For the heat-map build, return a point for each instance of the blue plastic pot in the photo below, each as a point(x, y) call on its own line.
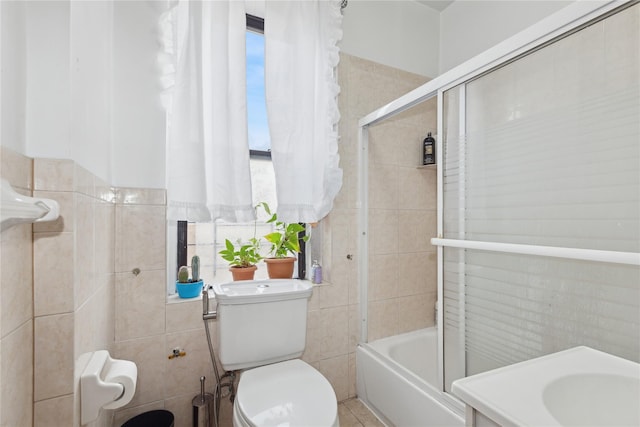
point(189, 290)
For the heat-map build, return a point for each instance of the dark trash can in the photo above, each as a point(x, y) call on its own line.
point(157, 418)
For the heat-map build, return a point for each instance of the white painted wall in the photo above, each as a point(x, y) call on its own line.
point(85, 74)
point(469, 27)
point(48, 79)
point(93, 89)
point(400, 33)
point(12, 75)
point(138, 118)
point(68, 96)
point(91, 38)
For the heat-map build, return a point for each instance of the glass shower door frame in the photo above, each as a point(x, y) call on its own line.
point(459, 241)
point(567, 19)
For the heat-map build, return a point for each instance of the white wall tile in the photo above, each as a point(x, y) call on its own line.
point(383, 277)
point(54, 412)
point(382, 319)
point(140, 237)
point(53, 361)
point(335, 332)
point(315, 331)
point(149, 355)
point(186, 316)
point(383, 231)
point(417, 273)
point(53, 174)
point(17, 278)
point(383, 187)
point(183, 373)
point(336, 370)
point(17, 377)
point(140, 304)
point(53, 273)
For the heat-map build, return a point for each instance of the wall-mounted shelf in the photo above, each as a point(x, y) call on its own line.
point(16, 208)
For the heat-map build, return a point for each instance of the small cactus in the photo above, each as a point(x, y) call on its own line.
point(183, 274)
point(195, 268)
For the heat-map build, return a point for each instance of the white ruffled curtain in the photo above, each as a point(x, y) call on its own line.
point(301, 91)
point(208, 175)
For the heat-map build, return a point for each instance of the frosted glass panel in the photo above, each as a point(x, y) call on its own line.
point(555, 170)
point(545, 151)
point(518, 307)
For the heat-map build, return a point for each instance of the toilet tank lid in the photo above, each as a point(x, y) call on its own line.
point(258, 291)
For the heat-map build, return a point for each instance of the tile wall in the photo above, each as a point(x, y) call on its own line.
point(73, 297)
point(405, 299)
point(16, 304)
point(82, 295)
point(147, 328)
point(402, 220)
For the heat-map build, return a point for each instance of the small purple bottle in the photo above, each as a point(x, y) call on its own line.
point(316, 272)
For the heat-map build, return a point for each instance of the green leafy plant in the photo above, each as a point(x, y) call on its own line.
point(183, 272)
point(244, 255)
point(285, 239)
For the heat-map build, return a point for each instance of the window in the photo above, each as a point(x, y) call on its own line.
point(207, 239)
point(259, 142)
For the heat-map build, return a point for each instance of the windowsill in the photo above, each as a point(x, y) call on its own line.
point(175, 298)
point(317, 285)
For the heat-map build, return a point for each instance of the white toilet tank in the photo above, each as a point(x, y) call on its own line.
point(261, 321)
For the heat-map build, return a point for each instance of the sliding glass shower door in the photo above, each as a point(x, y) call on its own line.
point(541, 184)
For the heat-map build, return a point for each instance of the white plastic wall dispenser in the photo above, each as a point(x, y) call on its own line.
point(105, 383)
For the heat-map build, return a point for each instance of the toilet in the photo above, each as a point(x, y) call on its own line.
point(262, 327)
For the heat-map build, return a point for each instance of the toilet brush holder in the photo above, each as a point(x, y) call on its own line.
point(203, 408)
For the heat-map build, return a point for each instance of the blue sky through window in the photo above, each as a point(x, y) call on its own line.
point(256, 105)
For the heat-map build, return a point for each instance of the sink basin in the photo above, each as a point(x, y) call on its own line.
point(594, 399)
point(575, 387)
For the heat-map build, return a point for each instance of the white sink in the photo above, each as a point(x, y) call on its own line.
point(594, 399)
point(576, 387)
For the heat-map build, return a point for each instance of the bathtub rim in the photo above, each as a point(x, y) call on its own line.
point(442, 397)
point(388, 344)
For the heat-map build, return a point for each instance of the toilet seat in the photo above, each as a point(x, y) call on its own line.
point(286, 393)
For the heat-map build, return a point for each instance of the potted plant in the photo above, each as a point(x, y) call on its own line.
point(284, 242)
point(242, 260)
point(190, 287)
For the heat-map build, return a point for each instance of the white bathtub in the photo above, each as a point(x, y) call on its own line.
point(397, 377)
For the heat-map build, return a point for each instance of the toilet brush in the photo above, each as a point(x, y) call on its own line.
point(203, 408)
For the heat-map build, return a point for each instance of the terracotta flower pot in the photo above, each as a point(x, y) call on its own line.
point(280, 268)
point(243, 273)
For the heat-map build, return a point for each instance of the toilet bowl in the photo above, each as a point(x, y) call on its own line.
point(290, 393)
point(262, 330)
